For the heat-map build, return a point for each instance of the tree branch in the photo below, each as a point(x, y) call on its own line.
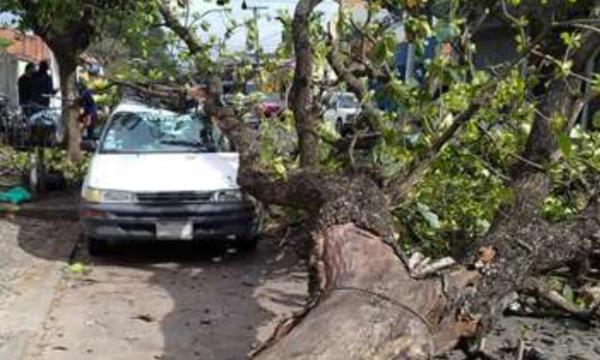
point(185, 34)
point(400, 186)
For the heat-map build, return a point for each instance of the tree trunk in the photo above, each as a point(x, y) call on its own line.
point(70, 111)
point(303, 104)
point(368, 309)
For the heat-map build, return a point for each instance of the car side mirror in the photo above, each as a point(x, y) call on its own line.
point(88, 145)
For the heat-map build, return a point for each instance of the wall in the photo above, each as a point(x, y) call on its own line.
point(9, 69)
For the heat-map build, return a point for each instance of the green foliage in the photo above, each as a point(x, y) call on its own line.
point(63, 16)
point(55, 161)
point(453, 205)
point(277, 143)
point(384, 50)
point(417, 29)
point(4, 43)
point(574, 174)
point(460, 194)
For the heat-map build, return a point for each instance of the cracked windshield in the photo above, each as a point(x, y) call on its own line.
point(147, 132)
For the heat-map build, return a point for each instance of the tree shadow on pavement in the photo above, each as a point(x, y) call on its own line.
point(53, 240)
point(169, 301)
point(224, 302)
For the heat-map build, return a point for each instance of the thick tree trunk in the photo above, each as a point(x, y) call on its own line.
point(70, 111)
point(369, 309)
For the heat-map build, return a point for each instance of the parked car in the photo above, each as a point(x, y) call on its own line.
point(158, 175)
point(270, 105)
point(342, 109)
point(50, 120)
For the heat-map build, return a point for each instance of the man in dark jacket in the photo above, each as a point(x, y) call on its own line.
point(42, 88)
point(89, 118)
point(25, 89)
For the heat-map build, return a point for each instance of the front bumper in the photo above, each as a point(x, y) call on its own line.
point(235, 220)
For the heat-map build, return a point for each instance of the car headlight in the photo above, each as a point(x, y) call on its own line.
point(107, 196)
point(229, 195)
point(91, 195)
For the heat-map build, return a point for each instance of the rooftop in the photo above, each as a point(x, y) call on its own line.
point(25, 47)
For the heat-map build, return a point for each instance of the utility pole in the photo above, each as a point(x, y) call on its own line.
point(255, 10)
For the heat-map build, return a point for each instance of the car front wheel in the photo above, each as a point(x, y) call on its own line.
point(339, 126)
point(97, 247)
point(247, 244)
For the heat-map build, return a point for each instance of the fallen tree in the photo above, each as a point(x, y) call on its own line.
point(370, 300)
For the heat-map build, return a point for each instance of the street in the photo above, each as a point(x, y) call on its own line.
point(157, 301)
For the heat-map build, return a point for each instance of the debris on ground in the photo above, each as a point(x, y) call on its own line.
point(16, 195)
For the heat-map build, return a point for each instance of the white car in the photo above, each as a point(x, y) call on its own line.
point(341, 111)
point(158, 175)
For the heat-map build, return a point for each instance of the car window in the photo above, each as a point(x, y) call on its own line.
point(139, 132)
point(271, 97)
point(348, 101)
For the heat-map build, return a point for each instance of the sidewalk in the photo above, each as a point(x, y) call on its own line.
point(34, 253)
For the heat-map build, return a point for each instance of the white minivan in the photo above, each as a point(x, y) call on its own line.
point(159, 175)
point(342, 109)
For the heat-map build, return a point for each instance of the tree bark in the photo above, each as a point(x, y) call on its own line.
point(368, 309)
point(70, 111)
point(304, 106)
point(67, 45)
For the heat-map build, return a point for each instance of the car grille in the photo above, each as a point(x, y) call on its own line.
point(174, 197)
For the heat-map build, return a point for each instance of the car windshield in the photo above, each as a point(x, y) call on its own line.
point(152, 132)
point(348, 101)
point(270, 98)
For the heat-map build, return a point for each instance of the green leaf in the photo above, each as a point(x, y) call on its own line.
point(4, 43)
point(205, 25)
point(431, 217)
point(564, 144)
point(77, 268)
point(279, 168)
point(567, 293)
point(380, 52)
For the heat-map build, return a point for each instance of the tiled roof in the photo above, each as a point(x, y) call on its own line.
point(25, 47)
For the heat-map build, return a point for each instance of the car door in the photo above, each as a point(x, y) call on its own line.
point(330, 115)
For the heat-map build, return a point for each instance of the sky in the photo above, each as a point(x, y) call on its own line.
point(269, 30)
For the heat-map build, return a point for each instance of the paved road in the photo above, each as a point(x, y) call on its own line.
point(165, 301)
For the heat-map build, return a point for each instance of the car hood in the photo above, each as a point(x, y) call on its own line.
point(164, 172)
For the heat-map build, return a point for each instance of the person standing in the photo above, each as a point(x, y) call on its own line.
point(42, 88)
point(25, 85)
point(89, 118)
